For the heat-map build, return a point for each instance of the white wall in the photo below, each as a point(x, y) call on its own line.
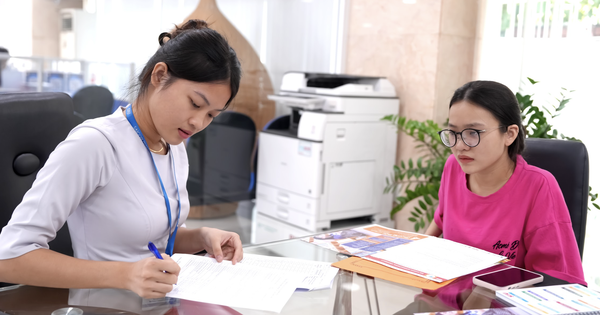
point(15, 26)
point(288, 35)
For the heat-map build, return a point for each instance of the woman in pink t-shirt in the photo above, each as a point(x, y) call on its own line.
point(490, 198)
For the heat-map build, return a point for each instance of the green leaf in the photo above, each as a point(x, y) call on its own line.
point(411, 219)
point(428, 200)
point(430, 216)
point(532, 81)
point(562, 104)
point(410, 163)
point(422, 205)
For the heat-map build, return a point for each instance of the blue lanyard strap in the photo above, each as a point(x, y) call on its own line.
point(171, 240)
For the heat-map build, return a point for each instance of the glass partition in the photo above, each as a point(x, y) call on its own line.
point(35, 74)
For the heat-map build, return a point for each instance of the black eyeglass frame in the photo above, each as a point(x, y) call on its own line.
point(479, 132)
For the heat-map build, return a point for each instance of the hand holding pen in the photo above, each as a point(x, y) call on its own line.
point(154, 250)
point(152, 277)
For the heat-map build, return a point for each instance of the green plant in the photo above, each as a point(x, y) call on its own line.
point(420, 179)
point(534, 118)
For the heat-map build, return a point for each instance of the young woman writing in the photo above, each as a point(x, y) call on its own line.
point(120, 180)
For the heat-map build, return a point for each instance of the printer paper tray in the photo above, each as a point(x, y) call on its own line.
point(305, 102)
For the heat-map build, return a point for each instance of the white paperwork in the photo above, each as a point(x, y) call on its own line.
point(436, 259)
point(204, 280)
point(257, 282)
point(316, 275)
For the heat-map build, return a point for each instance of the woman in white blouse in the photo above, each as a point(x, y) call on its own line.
point(119, 181)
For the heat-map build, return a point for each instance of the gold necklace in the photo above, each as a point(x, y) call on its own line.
point(162, 147)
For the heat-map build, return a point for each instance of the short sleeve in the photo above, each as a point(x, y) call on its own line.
point(549, 238)
point(77, 167)
point(438, 216)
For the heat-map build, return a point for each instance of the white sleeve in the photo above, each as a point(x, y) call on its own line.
point(77, 167)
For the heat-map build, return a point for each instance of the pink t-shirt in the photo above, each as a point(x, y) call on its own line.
point(527, 220)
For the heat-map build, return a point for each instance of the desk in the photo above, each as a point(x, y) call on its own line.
point(351, 294)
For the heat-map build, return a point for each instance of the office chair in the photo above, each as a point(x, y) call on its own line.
point(31, 126)
point(221, 159)
point(568, 162)
point(93, 101)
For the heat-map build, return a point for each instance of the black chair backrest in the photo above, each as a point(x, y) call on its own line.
point(93, 101)
point(568, 162)
point(221, 161)
point(31, 126)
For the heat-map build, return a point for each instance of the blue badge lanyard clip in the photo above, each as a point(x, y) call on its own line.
point(171, 240)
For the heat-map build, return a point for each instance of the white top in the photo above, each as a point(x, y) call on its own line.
point(100, 180)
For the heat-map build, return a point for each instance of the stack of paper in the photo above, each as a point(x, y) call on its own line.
point(315, 275)
point(435, 259)
point(556, 299)
point(363, 241)
point(257, 282)
point(486, 311)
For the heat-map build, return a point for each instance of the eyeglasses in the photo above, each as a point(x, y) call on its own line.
point(469, 136)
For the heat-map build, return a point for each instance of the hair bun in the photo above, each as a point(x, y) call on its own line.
point(161, 37)
point(193, 24)
point(189, 25)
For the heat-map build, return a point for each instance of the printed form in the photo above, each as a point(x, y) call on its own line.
point(436, 259)
point(316, 275)
point(203, 279)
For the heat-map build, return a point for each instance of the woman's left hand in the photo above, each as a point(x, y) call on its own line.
point(222, 244)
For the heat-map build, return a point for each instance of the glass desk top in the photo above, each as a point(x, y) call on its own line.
point(351, 293)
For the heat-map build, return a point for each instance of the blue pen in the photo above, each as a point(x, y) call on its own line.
point(154, 251)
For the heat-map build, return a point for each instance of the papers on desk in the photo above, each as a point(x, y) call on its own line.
point(315, 275)
point(431, 258)
point(504, 310)
point(257, 282)
point(375, 270)
point(363, 241)
point(436, 259)
point(556, 299)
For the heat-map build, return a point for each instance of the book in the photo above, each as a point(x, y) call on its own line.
point(485, 311)
point(556, 299)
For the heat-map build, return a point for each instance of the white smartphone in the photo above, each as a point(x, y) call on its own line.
point(509, 278)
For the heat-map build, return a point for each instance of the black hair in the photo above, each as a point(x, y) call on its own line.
point(499, 100)
point(196, 53)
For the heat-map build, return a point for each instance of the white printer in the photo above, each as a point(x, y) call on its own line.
point(332, 161)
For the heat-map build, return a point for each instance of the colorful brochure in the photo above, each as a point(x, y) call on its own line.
point(363, 241)
point(556, 299)
point(485, 311)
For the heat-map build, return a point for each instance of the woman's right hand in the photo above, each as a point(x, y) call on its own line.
point(153, 278)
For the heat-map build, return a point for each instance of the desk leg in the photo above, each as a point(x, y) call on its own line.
point(343, 294)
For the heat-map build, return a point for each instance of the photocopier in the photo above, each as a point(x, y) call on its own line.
point(332, 159)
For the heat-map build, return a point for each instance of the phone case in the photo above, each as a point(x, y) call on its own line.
point(521, 284)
